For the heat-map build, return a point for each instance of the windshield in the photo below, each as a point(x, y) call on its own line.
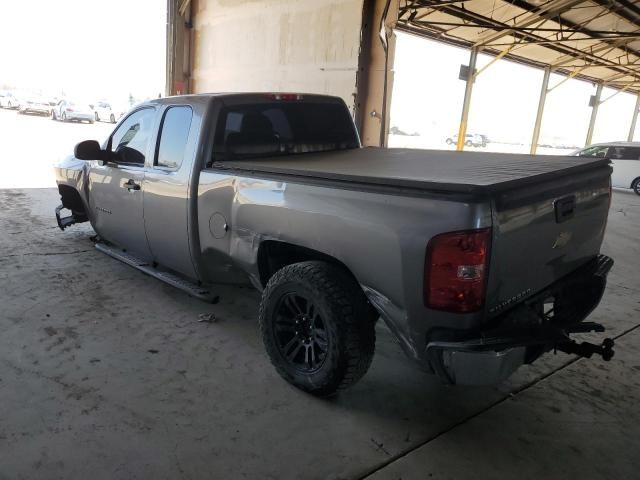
point(259, 130)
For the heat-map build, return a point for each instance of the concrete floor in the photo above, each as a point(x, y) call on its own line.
point(106, 373)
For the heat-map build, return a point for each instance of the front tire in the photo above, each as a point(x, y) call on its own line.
point(317, 327)
point(635, 185)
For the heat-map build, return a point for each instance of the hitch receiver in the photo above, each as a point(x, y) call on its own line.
point(586, 349)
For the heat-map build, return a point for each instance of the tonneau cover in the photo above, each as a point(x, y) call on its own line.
point(434, 170)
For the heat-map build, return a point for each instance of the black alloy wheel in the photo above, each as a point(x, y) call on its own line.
point(300, 332)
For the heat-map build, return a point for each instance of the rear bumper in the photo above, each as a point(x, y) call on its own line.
point(80, 116)
point(36, 109)
point(489, 356)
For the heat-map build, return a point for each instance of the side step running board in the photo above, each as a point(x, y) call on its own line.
point(167, 277)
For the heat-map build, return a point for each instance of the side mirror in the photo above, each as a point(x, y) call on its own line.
point(88, 150)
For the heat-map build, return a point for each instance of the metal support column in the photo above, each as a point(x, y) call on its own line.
point(594, 114)
point(634, 120)
point(462, 130)
point(543, 98)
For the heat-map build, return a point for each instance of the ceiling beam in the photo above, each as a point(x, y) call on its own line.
point(544, 12)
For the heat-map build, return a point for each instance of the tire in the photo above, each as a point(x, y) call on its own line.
point(53, 115)
point(64, 117)
point(635, 185)
point(449, 141)
point(112, 118)
point(97, 117)
point(468, 143)
point(315, 312)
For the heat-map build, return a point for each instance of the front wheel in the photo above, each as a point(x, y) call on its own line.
point(636, 186)
point(317, 327)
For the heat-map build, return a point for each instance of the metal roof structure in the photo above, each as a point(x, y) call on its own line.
point(594, 40)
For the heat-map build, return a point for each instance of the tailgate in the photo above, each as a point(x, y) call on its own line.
point(543, 231)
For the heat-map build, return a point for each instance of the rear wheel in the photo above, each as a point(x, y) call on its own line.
point(636, 186)
point(317, 327)
point(468, 143)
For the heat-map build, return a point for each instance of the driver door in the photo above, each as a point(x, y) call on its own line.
point(116, 188)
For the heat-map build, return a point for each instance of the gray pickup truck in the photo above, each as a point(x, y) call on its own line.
point(477, 262)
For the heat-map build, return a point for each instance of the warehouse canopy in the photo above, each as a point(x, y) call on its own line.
point(596, 40)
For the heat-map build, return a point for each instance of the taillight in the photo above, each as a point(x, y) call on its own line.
point(455, 270)
point(286, 97)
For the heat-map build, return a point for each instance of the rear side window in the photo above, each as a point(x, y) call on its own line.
point(281, 128)
point(624, 153)
point(174, 134)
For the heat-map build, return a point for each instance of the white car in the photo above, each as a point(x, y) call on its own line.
point(104, 112)
point(8, 100)
point(471, 139)
point(69, 111)
point(34, 104)
point(625, 158)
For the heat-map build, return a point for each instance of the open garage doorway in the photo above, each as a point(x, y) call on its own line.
point(428, 95)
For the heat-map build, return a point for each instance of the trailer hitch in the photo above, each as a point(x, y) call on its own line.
point(586, 349)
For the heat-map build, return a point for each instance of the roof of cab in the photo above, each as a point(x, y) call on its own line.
point(206, 97)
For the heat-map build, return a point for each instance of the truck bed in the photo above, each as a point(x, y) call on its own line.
point(475, 173)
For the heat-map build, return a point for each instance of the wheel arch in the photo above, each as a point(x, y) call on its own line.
point(72, 200)
point(275, 254)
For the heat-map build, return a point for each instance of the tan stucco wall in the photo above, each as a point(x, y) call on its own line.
point(277, 45)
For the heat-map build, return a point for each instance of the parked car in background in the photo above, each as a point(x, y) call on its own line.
point(104, 112)
point(67, 111)
point(34, 104)
point(471, 140)
point(8, 100)
point(625, 158)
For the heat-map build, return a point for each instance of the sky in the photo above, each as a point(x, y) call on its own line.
point(90, 49)
point(427, 98)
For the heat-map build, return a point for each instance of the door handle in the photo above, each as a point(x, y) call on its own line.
point(131, 185)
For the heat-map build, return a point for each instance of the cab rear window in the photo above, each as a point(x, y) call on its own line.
point(281, 128)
